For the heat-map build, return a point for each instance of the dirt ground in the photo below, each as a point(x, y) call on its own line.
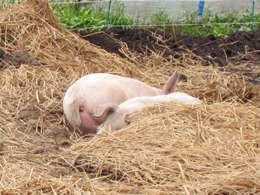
point(235, 49)
point(16, 59)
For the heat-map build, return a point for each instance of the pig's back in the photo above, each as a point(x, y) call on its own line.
point(130, 87)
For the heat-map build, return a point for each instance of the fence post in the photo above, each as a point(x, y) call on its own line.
point(253, 16)
point(108, 14)
point(201, 8)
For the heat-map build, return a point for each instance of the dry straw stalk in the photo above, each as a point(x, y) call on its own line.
point(167, 149)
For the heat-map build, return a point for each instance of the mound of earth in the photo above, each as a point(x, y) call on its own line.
point(237, 48)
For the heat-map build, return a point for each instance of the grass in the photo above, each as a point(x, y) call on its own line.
point(94, 17)
point(217, 25)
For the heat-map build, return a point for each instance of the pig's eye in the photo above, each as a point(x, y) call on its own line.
point(81, 110)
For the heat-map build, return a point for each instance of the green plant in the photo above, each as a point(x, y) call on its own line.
point(76, 18)
point(161, 20)
point(92, 16)
point(118, 17)
point(214, 24)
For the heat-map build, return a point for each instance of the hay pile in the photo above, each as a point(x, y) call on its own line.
point(168, 149)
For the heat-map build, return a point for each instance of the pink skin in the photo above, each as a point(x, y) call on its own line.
point(86, 94)
point(118, 116)
point(88, 123)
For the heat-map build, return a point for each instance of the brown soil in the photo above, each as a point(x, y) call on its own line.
point(16, 59)
point(237, 48)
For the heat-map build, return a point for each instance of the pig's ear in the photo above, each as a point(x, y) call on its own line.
point(170, 86)
point(127, 119)
point(103, 110)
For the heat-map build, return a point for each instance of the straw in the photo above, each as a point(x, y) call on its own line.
point(211, 148)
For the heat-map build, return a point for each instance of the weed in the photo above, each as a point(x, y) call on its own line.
point(93, 16)
point(160, 21)
point(217, 25)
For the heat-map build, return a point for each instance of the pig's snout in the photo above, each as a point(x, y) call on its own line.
point(88, 123)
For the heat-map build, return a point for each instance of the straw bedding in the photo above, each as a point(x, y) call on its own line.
point(167, 149)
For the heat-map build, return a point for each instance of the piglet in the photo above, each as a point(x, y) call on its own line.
point(86, 94)
point(118, 116)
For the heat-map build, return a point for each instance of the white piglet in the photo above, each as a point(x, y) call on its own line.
point(83, 97)
point(118, 116)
